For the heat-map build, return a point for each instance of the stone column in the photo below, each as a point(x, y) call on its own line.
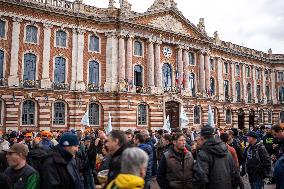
point(180, 66)
point(201, 73)
point(264, 87)
point(129, 53)
point(121, 59)
point(186, 71)
point(151, 64)
point(244, 83)
point(13, 79)
point(111, 62)
point(158, 67)
point(45, 81)
point(220, 79)
point(80, 85)
point(207, 72)
point(273, 88)
point(233, 75)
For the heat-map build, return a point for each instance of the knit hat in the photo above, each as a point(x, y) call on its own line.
point(253, 134)
point(207, 130)
point(68, 139)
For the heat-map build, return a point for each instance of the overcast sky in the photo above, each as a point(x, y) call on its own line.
point(257, 24)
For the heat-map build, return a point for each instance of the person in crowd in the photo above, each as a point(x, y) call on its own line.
point(36, 155)
point(225, 137)
point(175, 167)
point(130, 137)
point(104, 165)
point(235, 143)
point(20, 174)
point(28, 140)
point(160, 146)
point(214, 167)
point(133, 169)
point(279, 173)
point(59, 169)
point(116, 144)
point(45, 142)
point(4, 144)
point(257, 162)
point(278, 133)
point(13, 138)
point(140, 143)
point(268, 140)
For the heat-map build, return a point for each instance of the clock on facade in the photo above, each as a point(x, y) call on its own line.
point(167, 51)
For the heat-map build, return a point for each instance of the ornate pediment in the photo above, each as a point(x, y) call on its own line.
point(169, 23)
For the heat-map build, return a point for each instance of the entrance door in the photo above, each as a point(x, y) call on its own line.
point(241, 119)
point(172, 110)
point(251, 119)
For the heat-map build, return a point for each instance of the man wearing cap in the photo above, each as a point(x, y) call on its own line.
point(45, 142)
point(21, 175)
point(257, 163)
point(59, 169)
point(28, 140)
point(214, 167)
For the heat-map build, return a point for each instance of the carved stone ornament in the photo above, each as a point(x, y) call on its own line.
point(169, 23)
point(163, 4)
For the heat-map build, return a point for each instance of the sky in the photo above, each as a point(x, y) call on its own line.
point(256, 24)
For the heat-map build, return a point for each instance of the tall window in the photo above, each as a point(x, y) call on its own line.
point(61, 38)
point(94, 44)
point(282, 117)
point(60, 70)
point(281, 94)
point(28, 113)
point(212, 86)
point(142, 114)
point(249, 91)
point(1, 111)
point(280, 76)
point(138, 48)
point(238, 91)
point(31, 34)
point(94, 73)
point(1, 64)
point(257, 74)
point(2, 28)
point(267, 92)
point(59, 113)
point(269, 116)
point(138, 74)
point(226, 65)
point(248, 71)
point(237, 70)
point(94, 114)
point(261, 116)
point(226, 88)
point(29, 67)
point(197, 115)
point(258, 92)
point(228, 116)
point(167, 75)
point(191, 58)
point(192, 83)
point(266, 73)
point(212, 64)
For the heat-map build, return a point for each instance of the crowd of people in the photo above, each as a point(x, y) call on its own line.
point(209, 158)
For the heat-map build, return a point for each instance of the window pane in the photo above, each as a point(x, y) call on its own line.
point(191, 58)
point(1, 64)
point(167, 75)
point(59, 71)
point(94, 73)
point(280, 76)
point(212, 86)
point(258, 92)
point(138, 48)
point(228, 117)
point(192, 83)
point(138, 76)
point(2, 28)
point(249, 91)
point(211, 64)
point(31, 34)
point(238, 91)
point(29, 67)
point(28, 113)
point(142, 115)
point(281, 94)
point(237, 70)
point(196, 115)
point(226, 88)
point(59, 113)
point(226, 67)
point(61, 38)
point(94, 114)
point(267, 92)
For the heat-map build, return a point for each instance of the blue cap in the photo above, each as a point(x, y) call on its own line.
point(253, 134)
point(68, 139)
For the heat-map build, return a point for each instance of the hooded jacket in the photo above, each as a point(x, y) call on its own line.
point(148, 149)
point(215, 167)
point(36, 157)
point(126, 181)
point(279, 173)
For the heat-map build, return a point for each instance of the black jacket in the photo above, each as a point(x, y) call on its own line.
point(115, 164)
point(36, 157)
point(215, 167)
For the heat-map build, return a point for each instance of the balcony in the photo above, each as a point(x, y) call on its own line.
point(270, 102)
point(228, 99)
point(61, 86)
point(171, 90)
point(30, 84)
point(3, 82)
point(93, 88)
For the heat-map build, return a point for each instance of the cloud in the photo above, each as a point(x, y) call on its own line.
point(258, 24)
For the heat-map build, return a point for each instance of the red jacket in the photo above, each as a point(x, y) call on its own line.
point(234, 154)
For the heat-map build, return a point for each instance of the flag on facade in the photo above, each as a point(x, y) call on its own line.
point(210, 117)
point(109, 126)
point(85, 119)
point(177, 78)
point(183, 118)
point(167, 124)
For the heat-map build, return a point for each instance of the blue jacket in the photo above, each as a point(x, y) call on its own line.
point(154, 162)
point(279, 173)
point(148, 149)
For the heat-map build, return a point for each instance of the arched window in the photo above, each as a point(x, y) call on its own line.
point(94, 44)
point(249, 91)
point(138, 74)
point(28, 113)
point(282, 117)
point(258, 92)
point(261, 116)
point(226, 88)
point(281, 94)
point(59, 113)
point(237, 70)
point(228, 116)
point(2, 28)
point(238, 91)
point(94, 73)
point(191, 58)
point(94, 114)
point(138, 48)
point(31, 34)
point(1, 64)
point(267, 92)
point(60, 70)
point(192, 83)
point(61, 38)
point(212, 86)
point(269, 116)
point(142, 114)
point(167, 76)
point(197, 115)
point(29, 67)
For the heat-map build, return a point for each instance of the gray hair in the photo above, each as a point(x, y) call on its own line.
point(145, 133)
point(132, 159)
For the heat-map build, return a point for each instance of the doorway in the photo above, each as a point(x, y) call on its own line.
point(172, 110)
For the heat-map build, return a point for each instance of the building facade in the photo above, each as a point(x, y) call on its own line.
point(60, 59)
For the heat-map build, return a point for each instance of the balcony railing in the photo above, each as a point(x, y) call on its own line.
point(93, 88)
point(3, 82)
point(171, 89)
point(30, 84)
point(269, 102)
point(61, 86)
point(63, 4)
